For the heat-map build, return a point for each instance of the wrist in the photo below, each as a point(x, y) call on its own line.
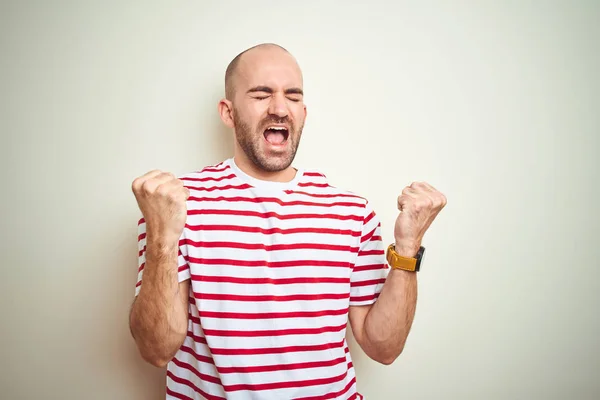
point(158, 247)
point(407, 248)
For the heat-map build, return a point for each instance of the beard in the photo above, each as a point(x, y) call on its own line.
point(251, 143)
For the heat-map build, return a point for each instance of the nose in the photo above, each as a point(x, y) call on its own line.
point(278, 106)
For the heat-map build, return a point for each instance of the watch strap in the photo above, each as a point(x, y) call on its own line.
point(396, 261)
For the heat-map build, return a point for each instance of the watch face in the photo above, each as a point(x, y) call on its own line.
point(420, 257)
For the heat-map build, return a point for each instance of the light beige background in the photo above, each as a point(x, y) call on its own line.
point(494, 103)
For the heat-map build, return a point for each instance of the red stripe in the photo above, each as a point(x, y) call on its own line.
point(142, 236)
point(197, 339)
point(313, 184)
point(276, 281)
point(314, 174)
point(376, 252)
point(368, 236)
point(204, 377)
point(270, 264)
point(291, 297)
point(141, 268)
point(270, 214)
point(261, 200)
point(190, 384)
point(369, 267)
point(198, 357)
point(264, 368)
point(177, 395)
point(273, 332)
point(369, 218)
point(275, 350)
point(368, 282)
point(213, 188)
point(289, 384)
point(271, 315)
point(281, 367)
point(364, 298)
point(323, 195)
point(274, 247)
point(332, 395)
point(266, 350)
point(210, 178)
point(270, 231)
point(215, 168)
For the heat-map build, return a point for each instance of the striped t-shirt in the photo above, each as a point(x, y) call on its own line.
point(274, 268)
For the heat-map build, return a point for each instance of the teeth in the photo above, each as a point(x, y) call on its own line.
point(278, 128)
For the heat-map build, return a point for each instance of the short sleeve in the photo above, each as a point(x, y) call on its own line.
point(183, 266)
point(370, 269)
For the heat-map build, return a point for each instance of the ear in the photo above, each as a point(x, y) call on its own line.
point(225, 108)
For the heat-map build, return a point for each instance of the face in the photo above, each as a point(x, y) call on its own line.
point(268, 110)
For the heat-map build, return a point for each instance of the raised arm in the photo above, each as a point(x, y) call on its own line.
point(159, 315)
point(381, 329)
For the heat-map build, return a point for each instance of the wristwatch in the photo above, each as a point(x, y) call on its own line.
point(396, 261)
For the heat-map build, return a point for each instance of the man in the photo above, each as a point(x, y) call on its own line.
point(252, 268)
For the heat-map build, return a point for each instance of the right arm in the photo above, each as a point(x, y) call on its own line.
point(159, 315)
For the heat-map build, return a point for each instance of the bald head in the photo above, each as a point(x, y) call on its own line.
point(264, 105)
point(249, 58)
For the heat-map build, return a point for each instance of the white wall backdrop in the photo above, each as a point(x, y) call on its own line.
point(496, 104)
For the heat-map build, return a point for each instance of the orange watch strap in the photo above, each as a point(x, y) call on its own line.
point(396, 261)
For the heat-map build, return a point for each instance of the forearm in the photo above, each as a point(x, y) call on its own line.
point(159, 317)
point(389, 320)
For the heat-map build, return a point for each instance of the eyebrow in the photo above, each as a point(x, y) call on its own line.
point(294, 91)
point(267, 89)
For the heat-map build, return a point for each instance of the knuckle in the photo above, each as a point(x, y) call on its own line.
point(147, 187)
point(135, 185)
point(163, 191)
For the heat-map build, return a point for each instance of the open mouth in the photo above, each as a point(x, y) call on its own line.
point(276, 135)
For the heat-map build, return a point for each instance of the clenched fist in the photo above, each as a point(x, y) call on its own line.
point(161, 197)
point(419, 204)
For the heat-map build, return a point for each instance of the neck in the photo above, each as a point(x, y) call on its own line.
point(248, 167)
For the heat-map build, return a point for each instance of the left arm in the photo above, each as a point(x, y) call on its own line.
point(381, 329)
